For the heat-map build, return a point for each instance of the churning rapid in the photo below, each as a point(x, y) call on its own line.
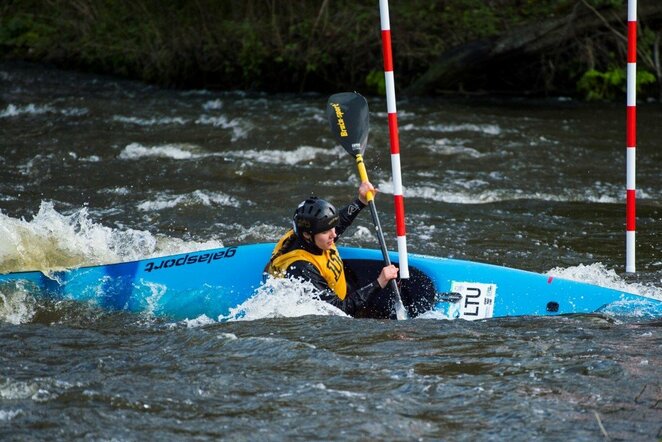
point(99, 170)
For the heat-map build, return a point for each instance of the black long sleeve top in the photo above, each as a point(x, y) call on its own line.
point(355, 298)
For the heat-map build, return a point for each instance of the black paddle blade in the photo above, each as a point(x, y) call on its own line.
point(348, 117)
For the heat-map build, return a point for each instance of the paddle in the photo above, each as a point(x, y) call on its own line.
point(348, 117)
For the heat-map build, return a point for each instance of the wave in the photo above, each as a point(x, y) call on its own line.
point(444, 146)
point(175, 151)
point(213, 105)
point(197, 197)
point(240, 128)
point(13, 110)
point(493, 196)
point(154, 121)
point(136, 151)
point(476, 191)
point(302, 154)
point(599, 274)
point(487, 129)
point(54, 241)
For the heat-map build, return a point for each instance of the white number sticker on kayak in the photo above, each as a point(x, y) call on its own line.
point(477, 299)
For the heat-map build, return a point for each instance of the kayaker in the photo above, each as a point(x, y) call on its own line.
point(308, 252)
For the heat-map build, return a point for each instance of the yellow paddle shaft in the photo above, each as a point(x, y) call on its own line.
point(363, 174)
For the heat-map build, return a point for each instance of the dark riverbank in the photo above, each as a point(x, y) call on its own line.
point(547, 47)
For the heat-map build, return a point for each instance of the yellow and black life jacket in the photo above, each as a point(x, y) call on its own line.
point(329, 264)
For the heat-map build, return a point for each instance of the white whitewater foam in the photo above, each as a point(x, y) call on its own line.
point(282, 298)
point(136, 151)
point(7, 415)
point(213, 105)
point(16, 306)
point(477, 191)
point(33, 166)
point(13, 110)
point(487, 129)
point(53, 241)
point(360, 233)
point(16, 390)
point(156, 293)
point(257, 232)
point(444, 146)
point(201, 321)
point(599, 274)
point(154, 121)
point(197, 197)
point(91, 159)
point(302, 154)
point(121, 190)
point(174, 246)
point(239, 127)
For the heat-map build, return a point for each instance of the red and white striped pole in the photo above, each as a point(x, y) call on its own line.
point(631, 137)
point(398, 194)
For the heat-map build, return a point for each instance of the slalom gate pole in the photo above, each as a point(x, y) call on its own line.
point(631, 138)
point(398, 194)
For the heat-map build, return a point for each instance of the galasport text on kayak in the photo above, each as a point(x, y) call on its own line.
point(200, 258)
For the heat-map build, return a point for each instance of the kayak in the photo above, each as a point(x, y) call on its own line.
point(214, 282)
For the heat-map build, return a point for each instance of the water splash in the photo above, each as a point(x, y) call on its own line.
point(54, 241)
point(16, 305)
point(282, 298)
point(598, 274)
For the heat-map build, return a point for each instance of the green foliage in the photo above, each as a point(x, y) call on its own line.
point(23, 33)
point(607, 3)
point(376, 82)
point(297, 45)
point(600, 86)
point(596, 85)
point(251, 55)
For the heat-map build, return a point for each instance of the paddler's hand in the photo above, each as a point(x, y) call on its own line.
point(387, 273)
point(364, 188)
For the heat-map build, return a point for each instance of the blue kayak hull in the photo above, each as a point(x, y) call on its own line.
point(212, 282)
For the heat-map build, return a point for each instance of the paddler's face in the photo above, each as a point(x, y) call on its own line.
point(324, 240)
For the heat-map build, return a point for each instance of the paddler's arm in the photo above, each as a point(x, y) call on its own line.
point(348, 213)
point(353, 300)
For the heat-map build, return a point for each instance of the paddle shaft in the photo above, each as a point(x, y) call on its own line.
point(348, 117)
point(400, 311)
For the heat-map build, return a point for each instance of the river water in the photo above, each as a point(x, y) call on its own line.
point(97, 169)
